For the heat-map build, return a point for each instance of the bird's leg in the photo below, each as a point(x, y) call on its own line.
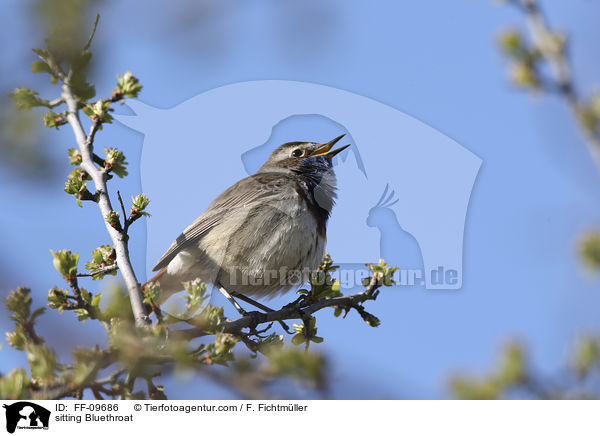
point(252, 302)
point(227, 295)
point(262, 307)
point(240, 309)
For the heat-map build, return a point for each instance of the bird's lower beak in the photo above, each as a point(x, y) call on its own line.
point(324, 150)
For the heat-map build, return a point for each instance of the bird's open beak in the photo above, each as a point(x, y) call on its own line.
point(324, 149)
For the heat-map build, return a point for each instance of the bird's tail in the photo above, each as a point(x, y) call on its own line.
point(155, 279)
point(168, 283)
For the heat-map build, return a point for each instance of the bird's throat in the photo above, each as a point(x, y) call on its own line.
point(319, 198)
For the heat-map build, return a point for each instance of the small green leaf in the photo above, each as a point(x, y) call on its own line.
point(57, 298)
point(76, 185)
point(19, 303)
point(14, 386)
point(138, 204)
point(298, 339)
point(213, 316)
point(512, 365)
point(113, 219)
point(98, 111)
point(16, 339)
point(96, 300)
point(82, 314)
point(52, 119)
point(301, 365)
point(115, 162)
point(127, 86)
point(40, 67)
point(42, 363)
point(87, 296)
point(221, 350)
point(589, 250)
point(511, 43)
point(524, 75)
point(83, 90)
point(151, 293)
point(65, 263)
point(197, 293)
point(102, 256)
point(74, 156)
point(306, 331)
point(587, 354)
point(321, 283)
point(370, 319)
point(26, 99)
point(382, 272)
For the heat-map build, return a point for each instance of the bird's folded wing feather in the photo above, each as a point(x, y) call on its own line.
point(245, 193)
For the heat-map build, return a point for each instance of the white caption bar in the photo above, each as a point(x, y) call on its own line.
point(302, 417)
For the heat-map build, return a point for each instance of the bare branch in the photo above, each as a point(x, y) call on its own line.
point(126, 220)
point(55, 102)
point(93, 130)
point(119, 239)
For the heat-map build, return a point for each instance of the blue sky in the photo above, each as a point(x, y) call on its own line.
point(535, 194)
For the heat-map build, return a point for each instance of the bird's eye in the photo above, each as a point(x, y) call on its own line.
point(297, 153)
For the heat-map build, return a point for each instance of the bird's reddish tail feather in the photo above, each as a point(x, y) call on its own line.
point(155, 278)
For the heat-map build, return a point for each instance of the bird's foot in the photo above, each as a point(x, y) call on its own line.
point(263, 307)
point(257, 318)
point(297, 303)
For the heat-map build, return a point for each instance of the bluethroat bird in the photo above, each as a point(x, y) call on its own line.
point(262, 235)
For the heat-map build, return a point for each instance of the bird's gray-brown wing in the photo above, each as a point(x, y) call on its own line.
point(244, 193)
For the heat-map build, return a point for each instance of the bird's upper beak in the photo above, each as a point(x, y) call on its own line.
point(324, 150)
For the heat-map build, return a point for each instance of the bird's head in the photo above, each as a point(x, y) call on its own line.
point(303, 157)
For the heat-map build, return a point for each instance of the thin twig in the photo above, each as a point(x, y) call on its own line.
point(112, 377)
point(102, 270)
point(559, 67)
point(87, 45)
point(125, 219)
point(93, 130)
point(98, 160)
point(55, 102)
